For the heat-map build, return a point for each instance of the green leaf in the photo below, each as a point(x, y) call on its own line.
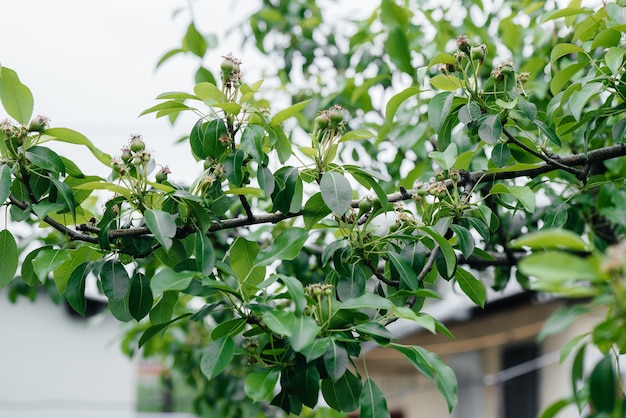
point(140, 297)
point(465, 240)
point(553, 409)
point(260, 386)
point(292, 110)
point(205, 253)
point(446, 82)
point(335, 360)
point(447, 158)
point(431, 366)
point(8, 258)
point(231, 327)
point(490, 129)
point(560, 266)
point(155, 329)
point(286, 246)
point(120, 309)
point(280, 322)
point(303, 333)
point(564, 77)
point(446, 249)
point(169, 280)
point(194, 42)
point(439, 109)
point(579, 99)
point(501, 154)
point(252, 142)
point(315, 210)
point(45, 158)
point(471, 286)
point(399, 51)
point(552, 239)
point(306, 381)
point(423, 320)
point(5, 182)
point(47, 261)
point(65, 192)
point(296, 292)
point(342, 394)
point(216, 356)
point(101, 185)
point(395, 102)
point(548, 132)
point(563, 49)
point(78, 256)
point(356, 135)
point(242, 255)
point(442, 58)
point(336, 192)
point(569, 11)
point(602, 386)
point(373, 402)
point(353, 285)
point(115, 280)
point(71, 136)
point(208, 92)
point(379, 332)
point(16, 98)
point(162, 225)
point(560, 320)
point(614, 58)
point(162, 311)
point(75, 293)
point(404, 269)
point(367, 301)
point(316, 349)
point(469, 113)
point(523, 194)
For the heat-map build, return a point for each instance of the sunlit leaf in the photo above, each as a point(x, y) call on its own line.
point(16, 98)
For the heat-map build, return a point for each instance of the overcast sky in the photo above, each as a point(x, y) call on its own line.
point(91, 65)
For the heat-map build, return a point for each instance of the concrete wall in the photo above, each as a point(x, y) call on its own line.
point(56, 366)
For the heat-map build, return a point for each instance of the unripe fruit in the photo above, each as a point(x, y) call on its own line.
point(478, 52)
point(137, 160)
point(38, 124)
point(365, 206)
point(394, 227)
point(137, 144)
point(126, 154)
point(227, 66)
point(317, 291)
point(321, 121)
point(336, 115)
point(116, 166)
point(507, 69)
point(161, 176)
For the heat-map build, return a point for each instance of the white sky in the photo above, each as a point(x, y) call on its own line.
point(90, 65)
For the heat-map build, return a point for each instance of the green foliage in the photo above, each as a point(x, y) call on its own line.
point(311, 228)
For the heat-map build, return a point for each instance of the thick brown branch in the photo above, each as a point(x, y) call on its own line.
point(471, 178)
point(73, 235)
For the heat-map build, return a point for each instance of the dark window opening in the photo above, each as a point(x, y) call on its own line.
point(521, 395)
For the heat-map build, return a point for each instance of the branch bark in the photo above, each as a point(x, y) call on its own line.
point(471, 178)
